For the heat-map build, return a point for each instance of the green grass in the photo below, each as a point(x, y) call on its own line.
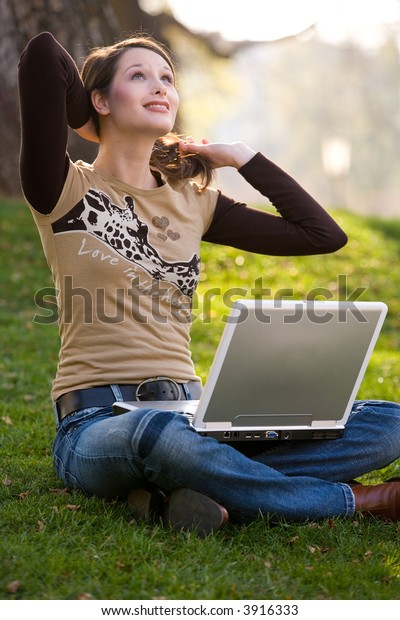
point(59, 545)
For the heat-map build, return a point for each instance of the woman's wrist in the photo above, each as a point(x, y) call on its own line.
point(220, 154)
point(241, 154)
point(88, 132)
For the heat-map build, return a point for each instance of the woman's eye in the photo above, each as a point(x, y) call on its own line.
point(137, 76)
point(168, 78)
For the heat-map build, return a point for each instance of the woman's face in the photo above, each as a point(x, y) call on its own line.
point(142, 97)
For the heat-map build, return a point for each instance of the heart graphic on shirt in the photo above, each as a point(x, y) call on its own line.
point(160, 222)
point(174, 236)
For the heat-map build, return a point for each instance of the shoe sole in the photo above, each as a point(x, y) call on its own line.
point(188, 510)
point(146, 506)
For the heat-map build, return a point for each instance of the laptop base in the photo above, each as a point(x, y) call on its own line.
point(188, 408)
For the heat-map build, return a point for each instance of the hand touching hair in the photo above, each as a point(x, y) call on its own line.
point(97, 74)
point(168, 159)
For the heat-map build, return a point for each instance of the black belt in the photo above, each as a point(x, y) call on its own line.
point(103, 395)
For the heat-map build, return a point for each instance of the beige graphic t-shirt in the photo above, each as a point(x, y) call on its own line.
point(125, 264)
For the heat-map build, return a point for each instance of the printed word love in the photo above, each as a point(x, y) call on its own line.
point(96, 253)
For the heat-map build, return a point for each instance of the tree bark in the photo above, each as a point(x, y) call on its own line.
point(78, 25)
point(75, 23)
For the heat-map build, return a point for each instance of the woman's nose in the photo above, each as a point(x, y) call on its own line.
point(160, 88)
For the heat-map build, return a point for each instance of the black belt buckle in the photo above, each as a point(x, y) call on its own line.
point(158, 388)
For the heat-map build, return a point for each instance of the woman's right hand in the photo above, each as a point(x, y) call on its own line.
point(220, 154)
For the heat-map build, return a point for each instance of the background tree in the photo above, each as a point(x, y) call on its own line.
point(78, 25)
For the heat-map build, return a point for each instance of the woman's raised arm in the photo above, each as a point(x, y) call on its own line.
point(302, 226)
point(52, 96)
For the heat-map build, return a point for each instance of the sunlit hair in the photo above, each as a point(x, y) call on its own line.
point(98, 72)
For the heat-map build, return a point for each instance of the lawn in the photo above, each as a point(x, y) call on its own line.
point(61, 545)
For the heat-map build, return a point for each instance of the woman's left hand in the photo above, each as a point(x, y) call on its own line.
point(220, 154)
point(88, 132)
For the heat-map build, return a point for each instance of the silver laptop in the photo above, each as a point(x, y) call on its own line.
point(283, 370)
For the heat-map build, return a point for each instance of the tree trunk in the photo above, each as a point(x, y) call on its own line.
point(78, 25)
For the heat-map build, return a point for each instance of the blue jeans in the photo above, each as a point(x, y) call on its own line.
point(107, 455)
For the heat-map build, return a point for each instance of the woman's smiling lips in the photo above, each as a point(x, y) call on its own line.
point(157, 106)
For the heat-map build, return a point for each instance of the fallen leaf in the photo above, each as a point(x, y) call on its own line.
point(85, 596)
point(13, 586)
point(315, 549)
point(73, 507)
point(7, 482)
point(23, 495)
point(267, 564)
point(7, 420)
point(64, 491)
point(40, 526)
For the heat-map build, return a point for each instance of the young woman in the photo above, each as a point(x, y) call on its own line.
point(122, 238)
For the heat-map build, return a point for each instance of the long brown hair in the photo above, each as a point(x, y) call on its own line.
point(97, 73)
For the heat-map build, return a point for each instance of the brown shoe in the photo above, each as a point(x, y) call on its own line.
point(381, 500)
point(183, 510)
